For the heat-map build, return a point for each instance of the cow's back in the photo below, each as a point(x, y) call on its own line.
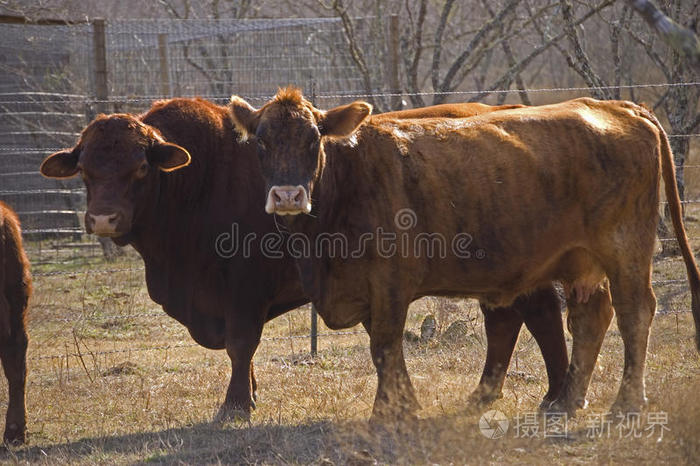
point(517, 182)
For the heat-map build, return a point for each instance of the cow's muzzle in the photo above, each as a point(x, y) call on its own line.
point(103, 225)
point(287, 200)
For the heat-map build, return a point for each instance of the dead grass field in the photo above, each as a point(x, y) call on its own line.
point(128, 385)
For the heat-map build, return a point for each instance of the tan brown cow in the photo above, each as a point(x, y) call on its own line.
point(15, 289)
point(539, 310)
point(172, 181)
point(566, 192)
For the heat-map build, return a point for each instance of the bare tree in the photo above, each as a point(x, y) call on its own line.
point(682, 40)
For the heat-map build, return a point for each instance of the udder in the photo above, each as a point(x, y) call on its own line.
point(581, 274)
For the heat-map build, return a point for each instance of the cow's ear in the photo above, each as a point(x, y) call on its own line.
point(244, 117)
point(63, 164)
point(168, 156)
point(341, 122)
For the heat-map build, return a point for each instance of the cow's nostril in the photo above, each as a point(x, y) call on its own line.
point(297, 197)
point(277, 197)
point(113, 218)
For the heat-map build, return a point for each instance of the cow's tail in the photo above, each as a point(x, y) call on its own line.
point(668, 170)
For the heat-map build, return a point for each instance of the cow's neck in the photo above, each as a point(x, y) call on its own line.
point(329, 189)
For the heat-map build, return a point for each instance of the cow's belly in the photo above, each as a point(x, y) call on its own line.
point(499, 284)
point(342, 310)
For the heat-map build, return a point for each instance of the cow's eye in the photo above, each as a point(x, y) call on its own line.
point(261, 144)
point(142, 170)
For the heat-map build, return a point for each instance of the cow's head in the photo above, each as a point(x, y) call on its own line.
point(289, 133)
point(119, 158)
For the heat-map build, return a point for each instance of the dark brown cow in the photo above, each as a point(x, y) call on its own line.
point(172, 181)
point(16, 287)
point(565, 192)
point(173, 205)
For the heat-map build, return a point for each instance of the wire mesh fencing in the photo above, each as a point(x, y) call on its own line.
point(54, 83)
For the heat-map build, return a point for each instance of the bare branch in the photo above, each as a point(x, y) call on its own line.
point(508, 75)
point(170, 8)
point(438, 43)
point(655, 57)
point(505, 45)
point(448, 82)
point(581, 64)
point(693, 124)
point(412, 64)
point(681, 39)
point(355, 50)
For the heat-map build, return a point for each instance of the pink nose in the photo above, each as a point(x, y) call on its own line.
point(102, 225)
point(287, 200)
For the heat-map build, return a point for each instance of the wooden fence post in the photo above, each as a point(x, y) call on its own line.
point(100, 49)
point(99, 41)
point(164, 72)
point(393, 68)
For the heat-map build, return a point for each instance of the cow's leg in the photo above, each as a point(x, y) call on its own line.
point(502, 328)
point(587, 323)
point(13, 354)
point(395, 397)
point(367, 324)
point(253, 382)
point(635, 305)
point(241, 343)
point(542, 315)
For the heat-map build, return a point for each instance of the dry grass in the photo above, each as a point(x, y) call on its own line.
point(120, 401)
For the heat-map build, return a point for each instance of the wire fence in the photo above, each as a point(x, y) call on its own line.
point(51, 90)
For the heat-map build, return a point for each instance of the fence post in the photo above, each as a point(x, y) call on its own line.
point(394, 85)
point(164, 73)
point(314, 331)
point(100, 45)
point(314, 314)
point(99, 41)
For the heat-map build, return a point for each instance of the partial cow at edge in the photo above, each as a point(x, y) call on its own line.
point(16, 283)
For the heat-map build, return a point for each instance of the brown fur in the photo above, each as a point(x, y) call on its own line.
point(564, 192)
point(461, 110)
point(173, 220)
point(540, 311)
point(15, 290)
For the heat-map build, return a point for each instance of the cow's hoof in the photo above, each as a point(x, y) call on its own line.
point(15, 435)
point(563, 406)
point(548, 401)
point(624, 407)
point(232, 413)
point(482, 398)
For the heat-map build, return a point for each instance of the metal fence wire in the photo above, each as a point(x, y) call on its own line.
point(52, 85)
